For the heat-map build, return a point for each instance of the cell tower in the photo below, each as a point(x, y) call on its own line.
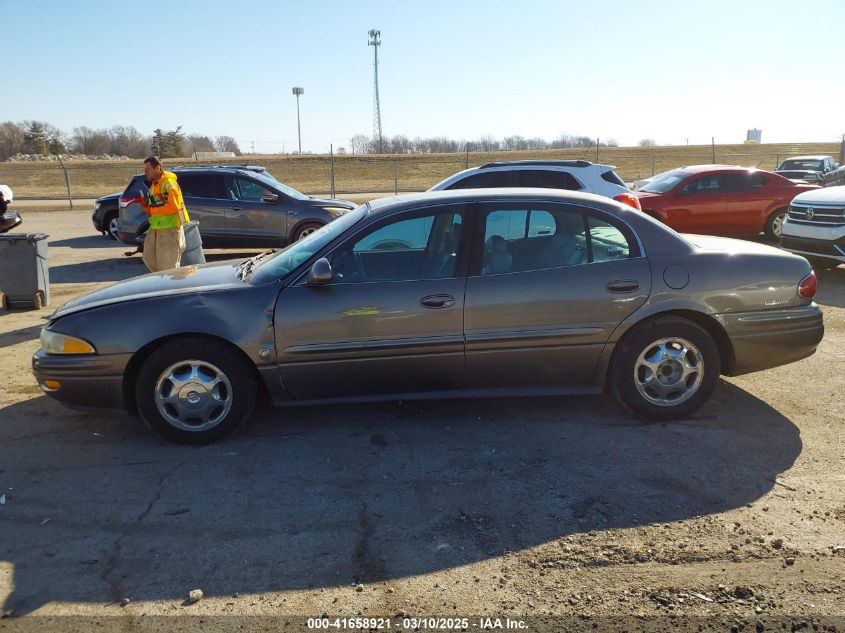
point(375, 42)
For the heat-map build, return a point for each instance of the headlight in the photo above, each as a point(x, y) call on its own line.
point(58, 343)
point(335, 212)
point(96, 206)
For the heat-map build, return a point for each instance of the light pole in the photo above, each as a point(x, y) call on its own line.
point(298, 91)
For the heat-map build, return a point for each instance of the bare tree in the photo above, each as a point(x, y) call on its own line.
point(227, 144)
point(359, 144)
point(200, 143)
point(11, 139)
point(647, 142)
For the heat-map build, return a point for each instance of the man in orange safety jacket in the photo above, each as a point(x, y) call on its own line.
point(165, 241)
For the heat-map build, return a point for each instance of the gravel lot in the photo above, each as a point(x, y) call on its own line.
point(521, 508)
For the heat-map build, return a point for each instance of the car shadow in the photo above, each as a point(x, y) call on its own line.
point(115, 269)
point(87, 241)
point(831, 287)
point(7, 339)
point(328, 496)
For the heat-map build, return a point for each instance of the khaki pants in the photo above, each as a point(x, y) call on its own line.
point(163, 248)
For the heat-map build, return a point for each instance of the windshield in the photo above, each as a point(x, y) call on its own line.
point(275, 184)
point(802, 165)
point(292, 256)
point(664, 182)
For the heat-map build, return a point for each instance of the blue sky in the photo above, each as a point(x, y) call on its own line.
point(612, 69)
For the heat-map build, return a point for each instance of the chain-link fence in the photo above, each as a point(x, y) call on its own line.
point(386, 174)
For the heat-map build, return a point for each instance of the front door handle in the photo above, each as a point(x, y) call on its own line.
point(622, 286)
point(437, 301)
point(236, 208)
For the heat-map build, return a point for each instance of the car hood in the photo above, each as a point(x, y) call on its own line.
point(329, 202)
point(826, 195)
point(185, 280)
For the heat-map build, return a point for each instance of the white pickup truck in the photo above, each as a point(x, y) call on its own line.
point(815, 227)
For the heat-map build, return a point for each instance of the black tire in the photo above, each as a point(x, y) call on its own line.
point(822, 263)
point(241, 390)
point(771, 229)
point(304, 229)
point(643, 338)
point(110, 225)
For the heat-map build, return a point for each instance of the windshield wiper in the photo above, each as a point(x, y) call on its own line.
point(246, 267)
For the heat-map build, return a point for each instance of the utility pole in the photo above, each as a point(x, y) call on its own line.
point(297, 92)
point(713, 145)
point(253, 147)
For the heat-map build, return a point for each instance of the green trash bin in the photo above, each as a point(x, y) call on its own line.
point(24, 274)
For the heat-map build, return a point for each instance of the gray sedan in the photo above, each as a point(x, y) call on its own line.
point(472, 293)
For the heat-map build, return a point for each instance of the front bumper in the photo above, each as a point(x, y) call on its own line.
point(770, 338)
point(89, 382)
point(814, 240)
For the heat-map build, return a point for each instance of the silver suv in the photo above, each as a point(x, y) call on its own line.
point(236, 207)
point(571, 175)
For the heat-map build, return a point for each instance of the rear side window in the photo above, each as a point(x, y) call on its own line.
point(202, 186)
point(607, 242)
point(612, 177)
point(747, 182)
point(484, 179)
point(546, 179)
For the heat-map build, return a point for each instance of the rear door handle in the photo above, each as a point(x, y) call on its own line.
point(236, 208)
point(623, 285)
point(437, 301)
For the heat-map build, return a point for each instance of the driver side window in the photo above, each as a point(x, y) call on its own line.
point(422, 247)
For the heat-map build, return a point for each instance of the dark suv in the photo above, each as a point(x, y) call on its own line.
point(236, 207)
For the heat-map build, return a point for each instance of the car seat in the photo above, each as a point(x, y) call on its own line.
point(497, 259)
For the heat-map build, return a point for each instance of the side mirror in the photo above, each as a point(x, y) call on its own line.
point(320, 273)
point(271, 198)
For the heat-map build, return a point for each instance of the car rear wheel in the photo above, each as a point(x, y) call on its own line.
point(110, 225)
point(666, 368)
point(305, 230)
point(195, 391)
point(774, 224)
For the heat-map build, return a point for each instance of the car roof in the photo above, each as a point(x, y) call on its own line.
point(385, 205)
point(808, 157)
point(701, 169)
point(541, 163)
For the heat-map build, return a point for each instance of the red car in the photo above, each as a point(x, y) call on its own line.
point(720, 200)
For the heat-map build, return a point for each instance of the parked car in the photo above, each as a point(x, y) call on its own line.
point(811, 169)
point(570, 175)
point(815, 227)
point(235, 207)
point(721, 200)
point(105, 215)
point(501, 293)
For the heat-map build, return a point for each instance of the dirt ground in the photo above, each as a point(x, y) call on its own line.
point(563, 514)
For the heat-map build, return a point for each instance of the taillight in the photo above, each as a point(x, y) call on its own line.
point(125, 201)
point(630, 199)
point(808, 286)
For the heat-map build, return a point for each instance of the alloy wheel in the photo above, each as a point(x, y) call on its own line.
point(669, 371)
point(193, 395)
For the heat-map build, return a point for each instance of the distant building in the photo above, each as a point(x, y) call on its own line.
point(755, 136)
point(206, 155)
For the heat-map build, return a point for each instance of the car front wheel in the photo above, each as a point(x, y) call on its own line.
point(305, 230)
point(665, 368)
point(195, 391)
